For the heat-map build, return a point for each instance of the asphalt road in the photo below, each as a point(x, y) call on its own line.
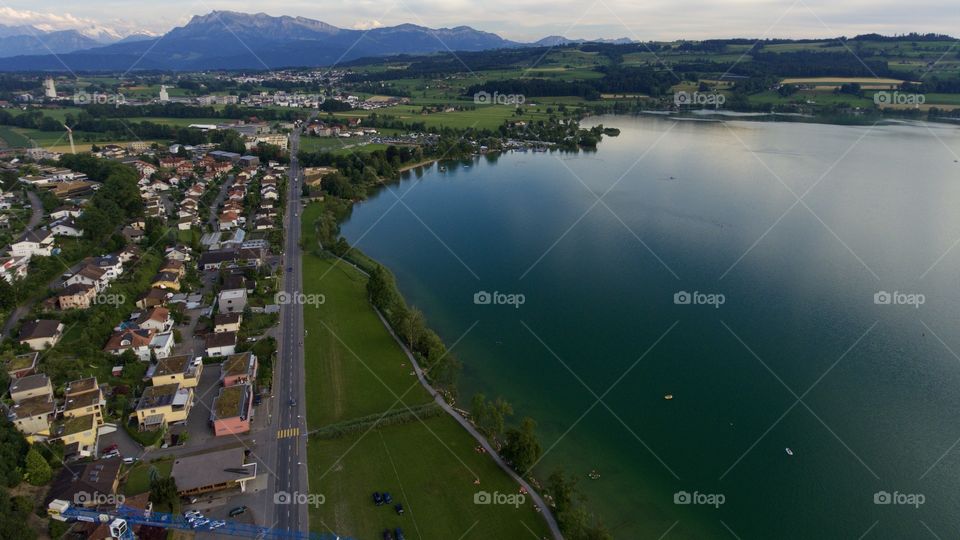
point(290, 420)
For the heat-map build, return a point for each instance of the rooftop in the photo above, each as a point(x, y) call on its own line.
point(237, 364)
point(232, 401)
point(158, 396)
point(70, 426)
point(32, 407)
point(212, 468)
point(30, 382)
point(81, 385)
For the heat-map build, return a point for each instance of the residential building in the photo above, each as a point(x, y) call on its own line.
point(222, 344)
point(36, 243)
point(87, 484)
point(30, 387)
point(137, 340)
point(22, 365)
point(77, 296)
point(160, 406)
point(156, 318)
point(227, 322)
point(41, 334)
point(182, 370)
point(239, 369)
point(84, 397)
point(232, 410)
point(232, 301)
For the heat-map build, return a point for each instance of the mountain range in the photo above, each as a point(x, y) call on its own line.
point(232, 40)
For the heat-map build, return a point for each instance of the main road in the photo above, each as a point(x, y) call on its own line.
point(289, 387)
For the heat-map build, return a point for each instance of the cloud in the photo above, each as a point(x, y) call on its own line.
point(49, 22)
point(366, 25)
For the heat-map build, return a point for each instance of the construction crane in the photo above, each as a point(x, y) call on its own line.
point(73, 149)
point(122, 519)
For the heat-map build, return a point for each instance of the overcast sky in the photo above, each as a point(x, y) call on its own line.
point(528, 20)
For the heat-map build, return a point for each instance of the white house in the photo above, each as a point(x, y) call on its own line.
point(33, 243)
point(66, 227)
point(162, 344)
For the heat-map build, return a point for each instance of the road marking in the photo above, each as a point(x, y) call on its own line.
point(288, 432)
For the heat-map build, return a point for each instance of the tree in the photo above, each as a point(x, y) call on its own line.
point(38, 470)
point(490, 415)
point(412, 327)
point(522, 448)
point(163, 491)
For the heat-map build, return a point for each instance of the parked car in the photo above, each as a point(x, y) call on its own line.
point(387, 498)
point(192, 514)
point(398, 533)
point(377, 498)
point(399, 508)
point(237, 511)
point(129, 460)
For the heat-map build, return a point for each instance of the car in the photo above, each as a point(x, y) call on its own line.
point(377, 498)
point(129, 460)
point(200, 523)
point(398, 533)
point(387, 535)
point(217, 524)
point(108, 455)
point(113, 447)
point(289, 269)
point(292, 403)
point(387, 498)
point(399, 508)
point(237, 511)
point(192, 514)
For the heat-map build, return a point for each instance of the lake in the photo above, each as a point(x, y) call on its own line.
point(791, 285)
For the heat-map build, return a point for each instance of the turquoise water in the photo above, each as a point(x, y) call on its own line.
point(709, 207)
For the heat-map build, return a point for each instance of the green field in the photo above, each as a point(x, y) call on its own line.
point(10, 137)
point(354, 368)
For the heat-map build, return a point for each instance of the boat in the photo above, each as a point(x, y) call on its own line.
point(789, 451)
point(668, 397)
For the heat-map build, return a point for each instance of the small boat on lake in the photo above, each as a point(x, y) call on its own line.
point(789, 451)
point(668, 397)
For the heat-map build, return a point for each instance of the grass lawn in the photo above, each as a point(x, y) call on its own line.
point(429, 466)
point(339, 384)
point(419, 464)
point(138, 479)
